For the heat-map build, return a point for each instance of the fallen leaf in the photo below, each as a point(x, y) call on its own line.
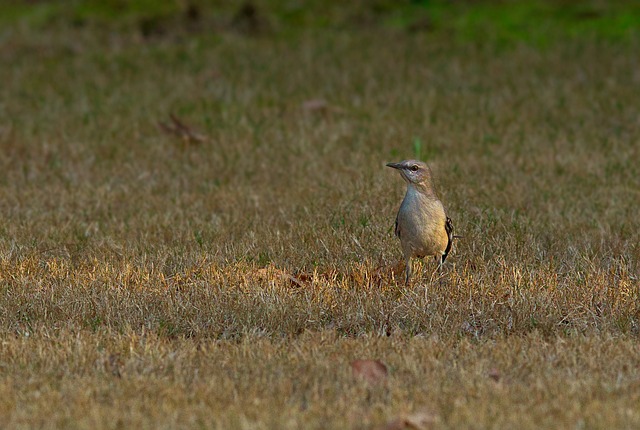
point(494, 374)
point(178, 128)
point(418, 420)
point(320, 106)
point(372, 371)
point(270, 272)
point(315, 105)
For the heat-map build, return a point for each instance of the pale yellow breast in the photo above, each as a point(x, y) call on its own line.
point(422, 225)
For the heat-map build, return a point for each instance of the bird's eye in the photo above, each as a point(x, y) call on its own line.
point(414, 168)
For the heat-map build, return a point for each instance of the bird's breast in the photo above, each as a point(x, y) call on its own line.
point(422, 219)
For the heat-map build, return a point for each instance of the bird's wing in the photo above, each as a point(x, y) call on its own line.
point(397, 227)
point(448, 226)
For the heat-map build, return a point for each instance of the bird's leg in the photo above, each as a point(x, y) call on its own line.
point(407, 271)
point(440, 262)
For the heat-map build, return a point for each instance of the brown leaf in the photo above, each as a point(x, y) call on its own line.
point(372, 371)
point(287, 277)
point(317, 105)
point(320, 106)
point(304, 277)
point(297, 282)
point(270, 272)
point(418, 420)
point(494, 374)
point(178, 128)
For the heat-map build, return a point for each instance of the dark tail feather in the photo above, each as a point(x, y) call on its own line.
point(448, 226)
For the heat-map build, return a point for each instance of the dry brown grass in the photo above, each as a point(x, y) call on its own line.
point(148, 280)
point(106, 379)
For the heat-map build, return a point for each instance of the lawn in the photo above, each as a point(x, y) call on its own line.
point(196, 221)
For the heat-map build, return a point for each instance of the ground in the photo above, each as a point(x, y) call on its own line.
point(196, 221)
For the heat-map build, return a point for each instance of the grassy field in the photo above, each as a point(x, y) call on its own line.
point(196, 220)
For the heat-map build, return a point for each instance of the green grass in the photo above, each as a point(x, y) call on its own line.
point(540, 23)
point(225, 274)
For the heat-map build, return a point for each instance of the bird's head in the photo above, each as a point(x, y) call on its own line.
point(413, 171)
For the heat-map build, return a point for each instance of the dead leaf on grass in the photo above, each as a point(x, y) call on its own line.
point(372, 371)
point(315, 105)
point(178, 128)
point(304, 278)
point(494, 374)
point(271, 272)
point(320, 106)
point(418, 420)
point(388, 272)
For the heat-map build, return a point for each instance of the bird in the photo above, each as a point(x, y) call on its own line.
point(422, 224)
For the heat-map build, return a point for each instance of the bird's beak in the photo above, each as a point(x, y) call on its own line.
point(394, 165)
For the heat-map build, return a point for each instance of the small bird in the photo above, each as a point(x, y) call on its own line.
point(422, 225)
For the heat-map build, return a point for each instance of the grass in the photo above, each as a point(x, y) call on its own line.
point(110, 380)
point(501, 23)
point(225, 276)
